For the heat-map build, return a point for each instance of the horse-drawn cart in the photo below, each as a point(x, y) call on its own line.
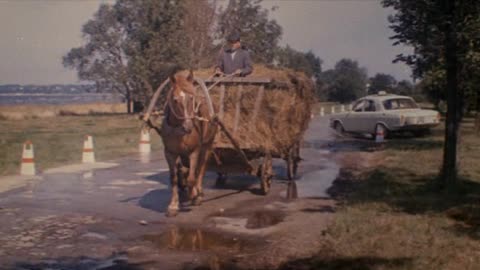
point(259, 118)
point(240, 146)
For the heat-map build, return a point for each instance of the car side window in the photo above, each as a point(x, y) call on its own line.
point(370, 106)
point(358, 107)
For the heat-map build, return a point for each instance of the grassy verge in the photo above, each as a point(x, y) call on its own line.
point(59, 140)
point(392, 216)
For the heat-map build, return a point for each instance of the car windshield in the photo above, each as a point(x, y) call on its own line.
point(399, 104)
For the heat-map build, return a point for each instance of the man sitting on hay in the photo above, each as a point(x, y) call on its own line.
point(234, 60)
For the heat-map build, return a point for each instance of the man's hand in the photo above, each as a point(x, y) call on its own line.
point(238, 72)
point(218, 72)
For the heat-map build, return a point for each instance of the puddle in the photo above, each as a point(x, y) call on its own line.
point(190, 239)
point(313, 184)
point(264, 218)
point(116, 262)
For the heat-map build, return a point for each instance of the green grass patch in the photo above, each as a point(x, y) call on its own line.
point(394, 216)
point(59, 140)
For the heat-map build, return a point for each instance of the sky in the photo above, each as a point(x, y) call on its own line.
point(35, 34)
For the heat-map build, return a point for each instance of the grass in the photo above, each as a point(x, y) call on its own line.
point(59, 140)
point(21, 112)
point(392, 215)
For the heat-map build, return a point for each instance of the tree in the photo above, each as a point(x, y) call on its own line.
point(382, 82)
point(444, 34)
point(346, 82)
point(132, 46)
point(259, 33)
point(405, 88)
point(307, 62)
point(102, 59)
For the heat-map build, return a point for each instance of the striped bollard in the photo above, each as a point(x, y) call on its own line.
point(88, 153)
point(144, 145)
point(27, 166)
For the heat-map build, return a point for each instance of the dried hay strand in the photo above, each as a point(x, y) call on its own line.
point(281, 119)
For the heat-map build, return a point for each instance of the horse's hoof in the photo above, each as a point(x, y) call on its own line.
point(197, 201)
point(171, 213)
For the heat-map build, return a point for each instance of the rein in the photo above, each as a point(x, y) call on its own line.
point(195, 108)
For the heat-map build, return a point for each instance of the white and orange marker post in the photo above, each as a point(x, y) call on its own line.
point(88, 155)
point(380, 134)
point(322, 111)
point(27, 166)
point(332, 109)
point(144, 146)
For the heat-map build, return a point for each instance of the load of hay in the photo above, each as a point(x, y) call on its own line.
point(282, 115)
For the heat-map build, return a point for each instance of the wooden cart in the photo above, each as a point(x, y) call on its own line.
point(232, 156)
point(235, 157)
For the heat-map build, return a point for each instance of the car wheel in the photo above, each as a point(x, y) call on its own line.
point(339, 128)
point(379, 128)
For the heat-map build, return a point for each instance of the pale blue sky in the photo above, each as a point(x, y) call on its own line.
point(37, 33)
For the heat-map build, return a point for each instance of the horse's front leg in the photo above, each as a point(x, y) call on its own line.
point(202, 165)
point(173, 207)
point(192, 173)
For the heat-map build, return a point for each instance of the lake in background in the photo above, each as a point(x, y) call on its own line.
point(57, 99)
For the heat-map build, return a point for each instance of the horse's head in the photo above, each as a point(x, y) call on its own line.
point(182, 100)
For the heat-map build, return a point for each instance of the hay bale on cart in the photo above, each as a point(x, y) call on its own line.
point(267, 113)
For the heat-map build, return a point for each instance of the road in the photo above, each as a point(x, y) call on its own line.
point(113, 218)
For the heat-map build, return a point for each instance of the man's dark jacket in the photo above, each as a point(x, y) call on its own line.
point(241, 60)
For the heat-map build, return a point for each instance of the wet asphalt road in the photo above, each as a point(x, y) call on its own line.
point(67, 220)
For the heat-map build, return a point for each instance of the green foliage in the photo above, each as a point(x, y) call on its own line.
point(132, 46)
point(307, 62)
point(346, 82)
point(382, 82)
point(421, 24)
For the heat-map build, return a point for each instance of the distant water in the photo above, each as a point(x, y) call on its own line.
point(57, 99)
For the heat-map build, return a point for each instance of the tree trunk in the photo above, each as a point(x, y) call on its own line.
point(128, 97)
point(477, 119)
point(454, 104)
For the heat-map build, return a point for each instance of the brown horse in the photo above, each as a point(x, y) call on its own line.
point(187, 133)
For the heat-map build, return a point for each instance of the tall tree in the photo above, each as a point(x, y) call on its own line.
point(346, 82)
point(307, 62)
point(404, 87)
point(133, 45)
point(382, 82)
point(444, 34)
point(103, 58)
point(259, 33)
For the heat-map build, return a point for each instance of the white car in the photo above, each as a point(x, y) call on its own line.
point(387, 113)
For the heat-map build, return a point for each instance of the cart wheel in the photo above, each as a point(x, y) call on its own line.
point(266, 177)
point(221, 180)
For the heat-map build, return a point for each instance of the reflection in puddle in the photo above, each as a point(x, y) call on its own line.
point(114, 262)
point(145, 158)
point(292, 192)
point(188, 239)
point(88, 175)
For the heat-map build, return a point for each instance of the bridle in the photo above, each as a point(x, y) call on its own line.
point(185, 115)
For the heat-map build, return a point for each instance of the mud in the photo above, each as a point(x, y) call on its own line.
point(114, 218)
